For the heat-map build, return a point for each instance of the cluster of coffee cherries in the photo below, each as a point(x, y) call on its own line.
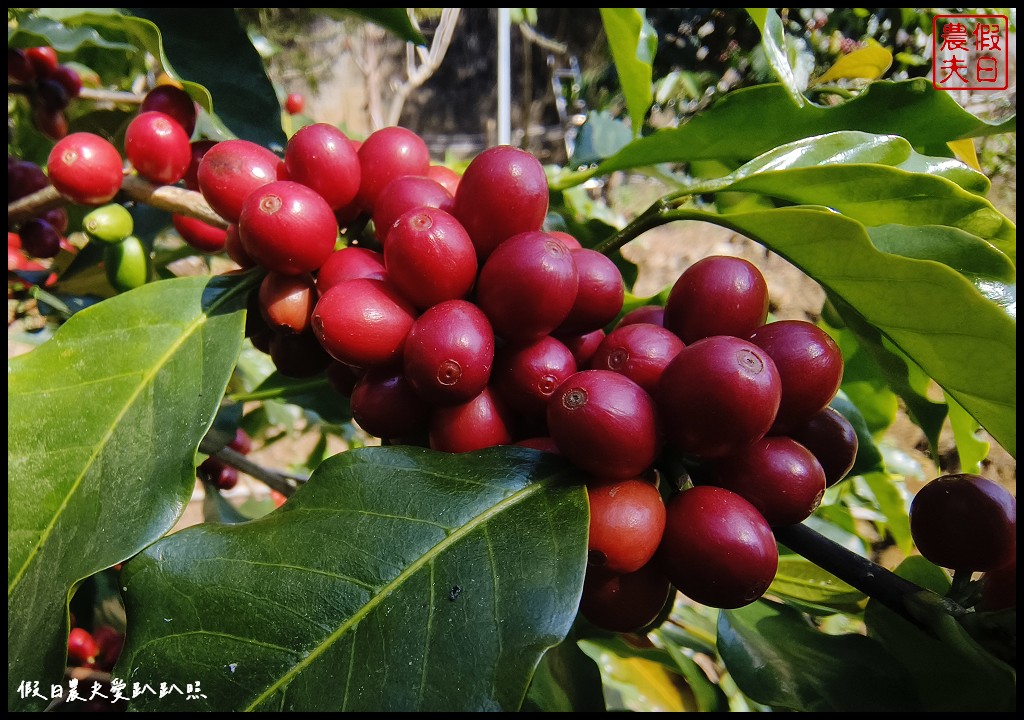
point(216, 472)
point(48, 84)
point(98, 649)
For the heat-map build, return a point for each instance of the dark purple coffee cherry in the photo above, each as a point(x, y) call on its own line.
point(832, 439)
point(717, 295)
point(625, 602)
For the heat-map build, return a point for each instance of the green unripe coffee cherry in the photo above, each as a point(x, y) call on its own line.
point(127, 264)
point(108, 224)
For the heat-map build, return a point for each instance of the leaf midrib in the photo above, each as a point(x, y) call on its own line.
point(397, 582)
point(147, 379)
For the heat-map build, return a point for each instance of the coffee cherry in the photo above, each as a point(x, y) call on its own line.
point(386, 406)
point(43, 59)
point(50, 95)
point(198, 150)
point(527, 286)
point(321, 157)
point(51, 123)
point(58, 218)
point(39, 239)
point(429, 257)
point(502, 193)
point(108, 224)
point(718, 395)
point(343, 378)
point(542, 443)
point(287, 227)
point(583, 347)
point(653, 314)
point(449, 352)
point(777, 475)
point(717, 295)
point(717, 549)
point(127, 264)
point(242, 442)
point(599, 295)
point(294, 103)
point(480, 423)
point(965, 522)
point(832, 440)
point(349, 263)
point(198, 234)
point(24, 177)
point(233, 247)
point(85, 169)
point(157, 147)
point(69, 79)
point(19, 67)
point(627, 519)
point(625, 602)
point(445, 177)
point(604, 423)
point(386, 154)
point(406, 193)
point(230, 171)
point(174, 102)
point(640, 351)
point(82, 647)
point(999, 587)
point(810, 366)
point(526, 376)
point(363, 322)
point(110, 642)
point(286, 302)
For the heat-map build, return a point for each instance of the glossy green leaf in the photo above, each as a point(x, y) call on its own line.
point(777, 658)
point(49, 30)
point(200, 44)
point(644, 678)
point(949, 670)
point(395, 579)
point(970, 448)
point(103, 424)
point(633, 43)
point(773, 42)
point(800, 579)
point(751, 121)
point(395, 20)
point(709, 695)
point(601, 136)
point(931, 313)
point(314, 394)
point(893, 502)
point(864, 383)
point(567, 680)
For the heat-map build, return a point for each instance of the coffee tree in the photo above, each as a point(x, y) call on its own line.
point(557, 495)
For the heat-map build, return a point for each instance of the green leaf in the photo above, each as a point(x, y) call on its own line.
point(601, 136)
point(395, 20)
point(633, 43)
point(893, 503)
point(867, 63)
point(777, 658)
point(200, 44)
point(773, 41)
point(567, 680)
point(48, 30)
point(644, 677)
point(709, 696)
point(395, 579)
point(800, 579)
point(971, 449)
point(103, 424)
point(314, 394)
point(931, 313)
point(949, 670)
point(751, 121)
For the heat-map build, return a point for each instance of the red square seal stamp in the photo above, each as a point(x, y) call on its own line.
point(970, 52)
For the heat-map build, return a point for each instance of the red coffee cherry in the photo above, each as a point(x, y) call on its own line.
point(406, 193)
point(604, 423)
point(449, 352)
point(200, 235)
point(349, 263)
point(717, 549)
point(718, 395)
point(583, 346)
point(625, 602)
point(82, 647)
point(85, 168)
point(446, 177)
point(482, 422)
point(174, 102)
point(363, 322)
point(43, 59)
point(542, 443)
point(526, 376)
point(321, 157)
point(286, 302)
point(429, 257)
point(832, 440)
point(777, 475)
point(640, 351)
point(230, 171)
point(599, 295)
point(502, 193)
point(717, 295)
point(386, 154)
point(298, 355)
point(386, 406)
point(965, 522)
point(51, 123)
point(242, 442)
point(527, 286)
point(157, 147)
point(198, 149)
point(810, 366)
point(653, 314)
point(294, 103)
point(627, 520)
point(233, 247)
point(287, 227)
